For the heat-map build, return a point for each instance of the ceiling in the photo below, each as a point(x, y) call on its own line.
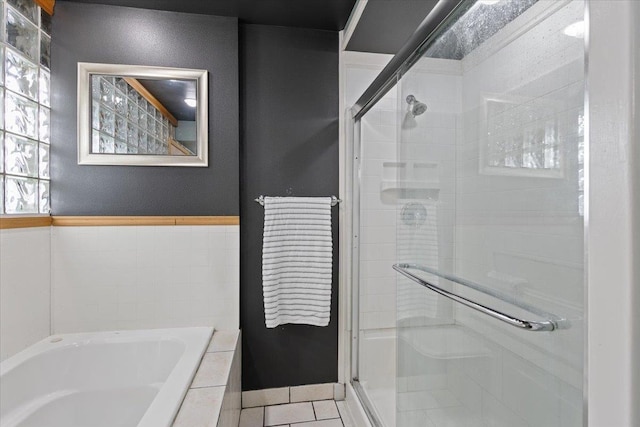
point(384, 27)
point(171, 94)
point(317, 14)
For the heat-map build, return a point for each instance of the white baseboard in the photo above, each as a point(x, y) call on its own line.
point(301, 393)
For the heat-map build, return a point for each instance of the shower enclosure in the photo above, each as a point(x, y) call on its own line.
point(468, 190)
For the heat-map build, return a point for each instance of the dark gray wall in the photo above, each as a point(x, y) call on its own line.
point(289, 146)
point(385, 26)
point(96, 33)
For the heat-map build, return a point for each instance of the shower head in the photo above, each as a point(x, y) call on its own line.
point(415, 107)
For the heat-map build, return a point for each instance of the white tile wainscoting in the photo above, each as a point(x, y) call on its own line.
point(25, 288)
point(141, 277)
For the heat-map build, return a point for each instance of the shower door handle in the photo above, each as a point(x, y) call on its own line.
point(528, 325)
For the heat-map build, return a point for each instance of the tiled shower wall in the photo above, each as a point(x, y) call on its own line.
point(377, 255)
point(377, 219)
point(389, 172)
point(24, 288)
point(426, 193)
point(137, 277)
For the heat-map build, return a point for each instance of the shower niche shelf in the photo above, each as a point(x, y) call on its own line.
point(410, 190)
point(410, 180)
point(444, 342)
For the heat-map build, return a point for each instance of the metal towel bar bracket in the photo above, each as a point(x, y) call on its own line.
point(334, 200)
point(552, 323)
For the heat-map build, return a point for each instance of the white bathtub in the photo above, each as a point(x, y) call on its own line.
point(103, 379)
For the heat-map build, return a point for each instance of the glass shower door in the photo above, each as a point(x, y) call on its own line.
point(488, 191)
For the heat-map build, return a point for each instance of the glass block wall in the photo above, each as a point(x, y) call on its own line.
point(25, 112)
point(124, 122)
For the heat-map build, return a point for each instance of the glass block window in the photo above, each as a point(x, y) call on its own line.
point(25, 44)
point(125, 122)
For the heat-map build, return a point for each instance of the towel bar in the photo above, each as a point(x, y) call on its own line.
point(334, 200)
point(550, 324)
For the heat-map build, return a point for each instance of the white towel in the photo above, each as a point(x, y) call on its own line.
point(297, 260)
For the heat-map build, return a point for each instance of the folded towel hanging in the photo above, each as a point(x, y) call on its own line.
point(297, 260)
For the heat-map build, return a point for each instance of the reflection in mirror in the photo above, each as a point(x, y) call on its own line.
point(141, 115)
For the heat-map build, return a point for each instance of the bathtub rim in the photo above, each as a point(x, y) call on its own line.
point(164, 407)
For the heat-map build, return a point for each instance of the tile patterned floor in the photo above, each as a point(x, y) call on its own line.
point(320, 413)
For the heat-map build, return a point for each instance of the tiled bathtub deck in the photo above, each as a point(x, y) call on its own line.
point(213, 400)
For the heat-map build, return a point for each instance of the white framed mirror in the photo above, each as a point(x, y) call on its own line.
point(132, 115)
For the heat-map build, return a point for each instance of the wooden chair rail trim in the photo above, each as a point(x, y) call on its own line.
point(96, 221)
point(152, 99)
point(91, 221)
point(46, 5)
point(11, 222)
point(207, 220)
point(184, 150)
